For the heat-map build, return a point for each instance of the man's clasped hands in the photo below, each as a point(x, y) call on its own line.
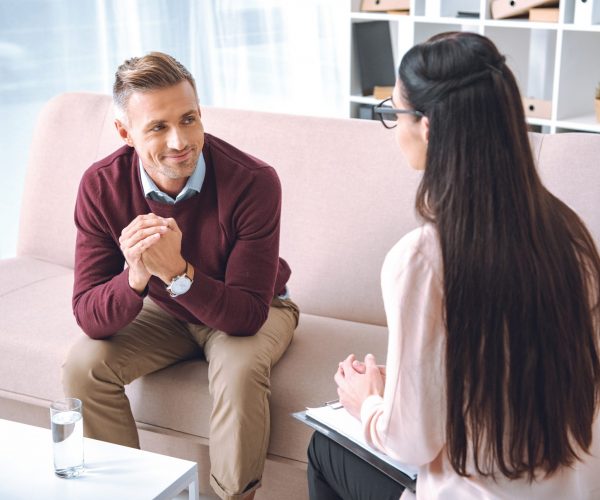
point(152, 247)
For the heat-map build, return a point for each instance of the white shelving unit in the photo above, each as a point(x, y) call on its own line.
point(557, 62)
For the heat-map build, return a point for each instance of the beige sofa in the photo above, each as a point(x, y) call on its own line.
point(348, 197)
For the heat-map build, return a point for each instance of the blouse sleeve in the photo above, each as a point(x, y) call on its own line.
point(408, 422)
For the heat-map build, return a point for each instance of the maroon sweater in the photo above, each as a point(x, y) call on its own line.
point(230, 235)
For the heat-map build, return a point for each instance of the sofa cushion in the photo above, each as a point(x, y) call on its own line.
point(348, 196)
point(72, 131)
point(21, 272)
point(36, 327)
point(569, 165)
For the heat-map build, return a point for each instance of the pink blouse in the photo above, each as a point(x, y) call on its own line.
point(408, 423)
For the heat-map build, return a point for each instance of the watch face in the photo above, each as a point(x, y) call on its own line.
point(181, 285)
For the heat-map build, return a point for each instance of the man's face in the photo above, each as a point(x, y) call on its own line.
point(165, 129)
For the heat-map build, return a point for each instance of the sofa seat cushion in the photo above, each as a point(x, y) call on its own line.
point(36, 326)
point(177, 397)
point(20, 272)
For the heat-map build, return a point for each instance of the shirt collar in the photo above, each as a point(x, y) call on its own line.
point(192, 186)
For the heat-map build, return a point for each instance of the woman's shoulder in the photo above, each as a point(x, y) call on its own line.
point(419, 247)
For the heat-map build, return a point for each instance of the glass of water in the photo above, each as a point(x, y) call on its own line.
point(67, 437)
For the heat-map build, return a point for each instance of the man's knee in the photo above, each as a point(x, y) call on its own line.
point(85, 365)
point(239, 378)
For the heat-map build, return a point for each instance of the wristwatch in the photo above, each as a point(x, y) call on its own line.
point(180, 284)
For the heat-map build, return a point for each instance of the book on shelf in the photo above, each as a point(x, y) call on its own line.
point(338, 425)
point(373, 45)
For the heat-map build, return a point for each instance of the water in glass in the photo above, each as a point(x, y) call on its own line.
point(67, 436)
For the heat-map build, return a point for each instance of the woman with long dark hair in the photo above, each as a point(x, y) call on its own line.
point(492, 381)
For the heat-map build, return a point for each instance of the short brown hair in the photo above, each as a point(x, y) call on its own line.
point(155, 70)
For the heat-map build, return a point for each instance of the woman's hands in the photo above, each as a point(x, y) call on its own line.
point(357, 381)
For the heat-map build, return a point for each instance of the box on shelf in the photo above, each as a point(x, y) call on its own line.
point(502, 9)
point(537, 108)
point(384, 5)
point(587, 12)
point(544, 14)
point(382, 92)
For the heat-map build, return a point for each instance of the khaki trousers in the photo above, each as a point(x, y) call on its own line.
point(96, 371)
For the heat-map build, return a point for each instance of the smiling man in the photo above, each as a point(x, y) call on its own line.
point(177, 256)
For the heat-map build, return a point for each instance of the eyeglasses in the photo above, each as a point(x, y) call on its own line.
point(389, 115)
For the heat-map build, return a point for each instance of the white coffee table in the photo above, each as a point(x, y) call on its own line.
point(112, 472)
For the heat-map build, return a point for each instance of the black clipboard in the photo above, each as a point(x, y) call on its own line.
point(389, 470)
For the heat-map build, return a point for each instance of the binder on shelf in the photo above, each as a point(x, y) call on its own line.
point(373, 46)
point(544, 14)
point(384, 5)
point(587, 12)
point(537, 108)
point(502, 9)
point(339, 426)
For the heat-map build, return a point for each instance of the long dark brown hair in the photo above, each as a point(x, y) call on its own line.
point(521, 271)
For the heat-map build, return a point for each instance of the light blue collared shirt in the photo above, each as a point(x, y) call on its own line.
point(192, 186)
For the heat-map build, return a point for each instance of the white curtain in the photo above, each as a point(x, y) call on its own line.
point(272, 55)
